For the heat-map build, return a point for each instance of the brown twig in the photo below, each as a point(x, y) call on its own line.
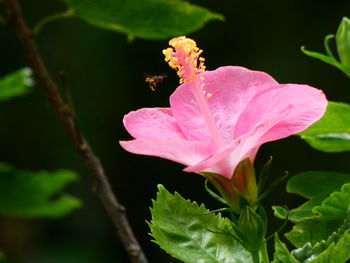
point(103, 189)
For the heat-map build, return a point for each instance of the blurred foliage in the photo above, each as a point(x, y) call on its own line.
point(35, 194)
point(149, 19)
point(16, 84)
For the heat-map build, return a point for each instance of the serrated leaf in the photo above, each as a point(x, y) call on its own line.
point(179, 229)
point(343, 42)
point(308, 253)
point(332, 132)
point(149, 19)
point(16, 84)
point(335, 253)
point(313, 185)
point(305, 253)
point(328, 218)
point(282, 254)
point(35, 194)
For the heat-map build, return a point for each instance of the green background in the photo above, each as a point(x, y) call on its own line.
point(105, 74)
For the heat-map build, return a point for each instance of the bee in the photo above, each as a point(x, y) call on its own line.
point(154, 80)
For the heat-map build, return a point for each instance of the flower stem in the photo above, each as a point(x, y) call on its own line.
point(255, 257)
point(264, 254)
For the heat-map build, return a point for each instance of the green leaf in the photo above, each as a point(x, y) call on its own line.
point(179, 229)
point(322, 221)
point(2, 257)
point(328, 218)
point(317, 183)
point(332, 132)
point(16, 84)
point(308, 252)
point(343, 42)
point(327, 59)
point(304, 253)
point(282, 254)
point(149, 19)
point(313, 185)
point(335, 253)
point(35, 194)
point(299, 213)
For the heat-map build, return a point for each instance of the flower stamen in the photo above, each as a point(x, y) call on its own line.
point(184, 57)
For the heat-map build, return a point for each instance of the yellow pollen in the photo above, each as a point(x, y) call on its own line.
point(184, 57)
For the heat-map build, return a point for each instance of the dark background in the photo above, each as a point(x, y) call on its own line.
point(105, 74)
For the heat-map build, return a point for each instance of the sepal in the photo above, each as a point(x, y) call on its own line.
point(241, 189)
point(245, 182)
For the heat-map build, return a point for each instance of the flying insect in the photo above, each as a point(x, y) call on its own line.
point(154, 80)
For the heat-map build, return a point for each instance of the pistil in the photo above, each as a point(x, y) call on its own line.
point(184, 57)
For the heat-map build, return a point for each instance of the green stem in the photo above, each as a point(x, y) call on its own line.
point(264, 254)
point(255, 257)
point(46, 20)
point(326, 45)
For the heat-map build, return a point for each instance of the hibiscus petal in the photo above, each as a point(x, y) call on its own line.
point(245, 146)
point(210, 164)
point(152, 123)
point(185, 152)
point(308, 105)
point(231, 89)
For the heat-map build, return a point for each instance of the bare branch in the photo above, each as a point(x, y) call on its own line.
point(66, 116)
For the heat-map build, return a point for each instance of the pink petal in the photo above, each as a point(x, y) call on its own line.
point(308, 105)
point(245, 146)
point(181, 151)
point(231, 87)
point(210, 164)
point(152, 123)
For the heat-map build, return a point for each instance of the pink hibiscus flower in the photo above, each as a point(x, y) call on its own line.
point(218, 118)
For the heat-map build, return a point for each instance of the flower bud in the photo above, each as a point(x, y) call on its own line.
point(343, 42)
point(252, 229)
